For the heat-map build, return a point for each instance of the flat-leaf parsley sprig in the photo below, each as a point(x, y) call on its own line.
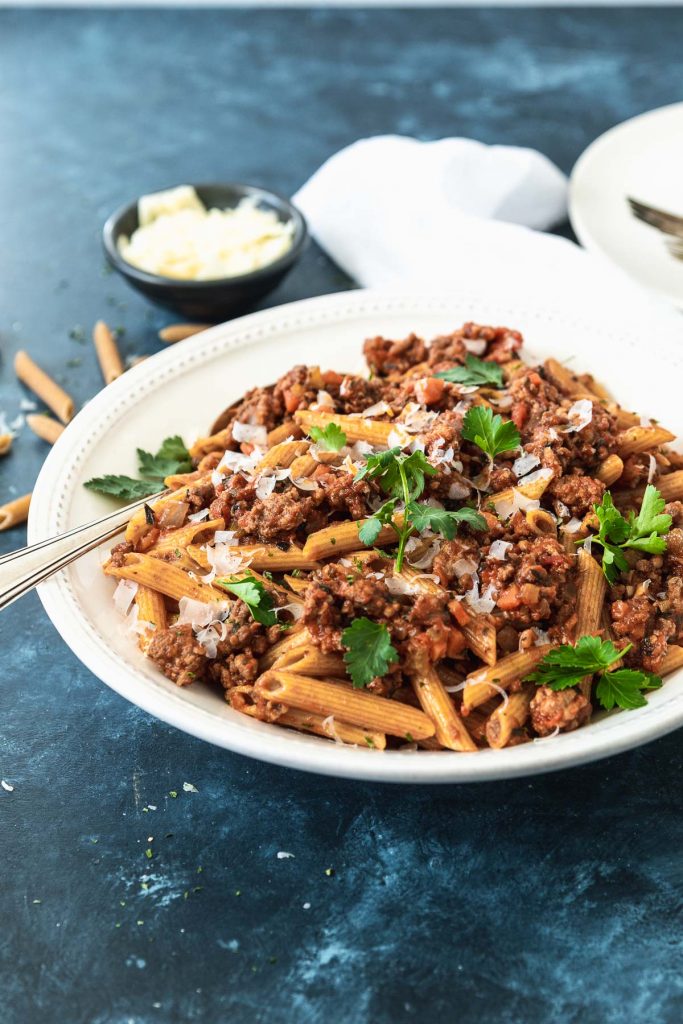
point(403, 478)
point(171, 458)
point(255, 596)
point(369, 651)
point(569, 664)
point(490, 432)
point(643, 532)
point(475, 373)
point(330, 438)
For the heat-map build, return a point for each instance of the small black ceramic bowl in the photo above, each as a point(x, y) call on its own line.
point(223, 297)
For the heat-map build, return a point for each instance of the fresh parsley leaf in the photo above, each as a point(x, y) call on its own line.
point(124, 487)
point(442, 521)
point(489, 431)
point(641, 533)
point(368, 531)
point(255, 596)
point(624, 688)
point(369, 651)
point(613, 526)
point(401, 476)
point(569, 664)
point(475, 372)
point(171, 458)
point(331, 439)
point(646, 529)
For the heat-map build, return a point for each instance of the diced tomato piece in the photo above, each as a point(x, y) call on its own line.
point(429, 390)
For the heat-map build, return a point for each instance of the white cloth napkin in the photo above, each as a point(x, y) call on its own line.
point(453, 213)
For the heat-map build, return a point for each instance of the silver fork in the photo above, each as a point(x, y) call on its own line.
point(24, 569)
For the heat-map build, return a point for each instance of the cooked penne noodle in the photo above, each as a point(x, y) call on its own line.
point(45, 427)
point(179, 332)
point(138, 525)
point(436, 703)
point(286, 431)
point(5, 443)
point(356, 428)
point(341, 538)
point(673, 660)
point(177, 540)
point(330, 728)
point(508, 716)
point(486, 682)
point(634, 440)
point(35, 378)
point(530, 489)
point(107, 350)
point(163, 577)
point(282, 455)
point(671, 486)
point(591, 589)
point(309, 661)
point(567, 381)
point(358, 707)
point(263, 556)
point(214, 443)
point(295, 583)
point(541, 522)
point(610, 470)
point(151, 607)
point(296, 637)
point(14, 512)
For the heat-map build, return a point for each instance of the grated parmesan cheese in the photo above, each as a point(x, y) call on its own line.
point(580, 415)
point(499, 549)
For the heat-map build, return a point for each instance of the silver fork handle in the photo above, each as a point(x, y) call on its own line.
point(24, 569)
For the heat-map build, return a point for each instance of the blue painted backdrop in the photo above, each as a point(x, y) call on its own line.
point(555, 900)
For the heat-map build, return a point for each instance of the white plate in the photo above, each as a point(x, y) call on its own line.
point(180, 390)
point(642, 159)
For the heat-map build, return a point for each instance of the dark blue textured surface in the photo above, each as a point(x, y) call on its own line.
point(552, 901)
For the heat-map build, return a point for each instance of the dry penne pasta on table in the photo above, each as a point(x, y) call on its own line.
point(457, 551)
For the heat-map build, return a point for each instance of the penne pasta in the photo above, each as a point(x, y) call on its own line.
point(282, 455)
point(484, 683)
point(214, 443)
point(296, 637)
point(45, 427)
point(138, 525)
point(541, 522)
point(180, 539)
point(638, 439)
point(342, 538)
point(510, 715)
point(591, 588)
point(285, 432)
point(673, 660)
point(341, 700)
point(533, 489)
point(436, 703)
point(35, 378)
point(262, 556)
point(309, 661)
point(14, 512)
point(151, 609)
point(610, 470)
point(107, 350)
point(163, 577)
point(330, 728)
point(356, 428)
point(179, 332)
point(5, 443)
